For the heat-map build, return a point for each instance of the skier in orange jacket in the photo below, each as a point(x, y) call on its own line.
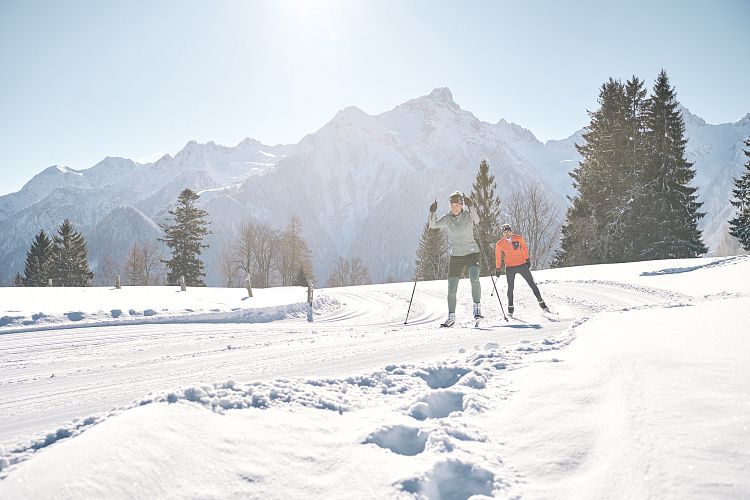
point(512, 247)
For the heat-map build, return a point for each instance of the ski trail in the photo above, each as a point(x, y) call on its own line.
point(53, 376)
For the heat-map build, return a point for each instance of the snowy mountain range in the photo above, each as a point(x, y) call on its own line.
point(360, 185)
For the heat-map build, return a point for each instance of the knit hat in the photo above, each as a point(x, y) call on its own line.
point(504, 227)
point(457, 197)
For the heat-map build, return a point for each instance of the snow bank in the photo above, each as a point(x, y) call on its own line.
point(31, 309)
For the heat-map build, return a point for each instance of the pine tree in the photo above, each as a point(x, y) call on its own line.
point(433, 255)
point(185, 240)
point(670, 222)
point(38, 269)
point(597, 220)
point(19, 280)
point(301, 278)
point(739, 226)
point(634, 165)
point(487, 205)
point(70, 266)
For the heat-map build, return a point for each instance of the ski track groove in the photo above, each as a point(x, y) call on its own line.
point(97, 369)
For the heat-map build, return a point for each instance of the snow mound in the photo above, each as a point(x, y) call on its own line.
point(83, 307)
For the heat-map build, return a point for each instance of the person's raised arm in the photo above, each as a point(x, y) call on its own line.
point(433, 224)
point(471, 209)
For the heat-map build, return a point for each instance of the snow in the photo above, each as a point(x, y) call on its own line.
point(30, 309)
point(636, 387)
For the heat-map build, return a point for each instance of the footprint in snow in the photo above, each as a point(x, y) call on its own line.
point(452, 479)
point(437, 404)
point(399, 439)
point(442, 377)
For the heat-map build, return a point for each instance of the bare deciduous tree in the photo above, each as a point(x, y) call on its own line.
point(294, 255)
point(229, 267)
point(535, 215)
point(348, 273)
point(143, 266)
point(256, 252)
point(106, 271)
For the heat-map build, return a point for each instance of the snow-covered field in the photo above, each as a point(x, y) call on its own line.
point(637, 387)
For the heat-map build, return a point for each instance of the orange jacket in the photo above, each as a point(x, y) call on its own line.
point(516, 252)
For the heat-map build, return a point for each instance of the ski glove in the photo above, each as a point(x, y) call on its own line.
point(433, 207)
point(528, 264)
point(467, 201)
point(497, 273)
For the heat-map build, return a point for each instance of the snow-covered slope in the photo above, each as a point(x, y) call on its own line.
point(626, 391)
point(360, 185)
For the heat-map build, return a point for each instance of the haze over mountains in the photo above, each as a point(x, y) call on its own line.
point(360, 185)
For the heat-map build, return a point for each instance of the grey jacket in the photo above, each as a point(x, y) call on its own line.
point(460, 231)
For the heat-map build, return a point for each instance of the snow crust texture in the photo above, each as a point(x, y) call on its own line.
point(625, 390)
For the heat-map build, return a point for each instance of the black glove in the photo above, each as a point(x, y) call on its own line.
point(528, 264)
point(433, 207)
point(497, 273)
point(467, 201)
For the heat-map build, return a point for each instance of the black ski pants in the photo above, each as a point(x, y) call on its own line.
point(523, 270)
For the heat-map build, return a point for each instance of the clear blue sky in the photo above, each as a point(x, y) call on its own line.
point(81, 80)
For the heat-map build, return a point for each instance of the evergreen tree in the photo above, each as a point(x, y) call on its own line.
point(597, 220)
point(19, 280)
point(38, 269)
point(433, 255)
point(70, 266)
point(487, 205)
point(301, 278)
point(185, 240)
point(670, 215)
point(739, 227)
point(634, 165)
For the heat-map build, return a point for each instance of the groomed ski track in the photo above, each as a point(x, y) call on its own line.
point(50, 377)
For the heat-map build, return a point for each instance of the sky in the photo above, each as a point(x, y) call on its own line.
point(83, 80)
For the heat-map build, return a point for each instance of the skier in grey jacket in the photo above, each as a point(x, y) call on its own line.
point(459, 224)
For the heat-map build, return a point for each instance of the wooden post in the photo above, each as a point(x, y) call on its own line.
point(182, 284)
point(249, 286)
point(118, 283)
point(309, 301)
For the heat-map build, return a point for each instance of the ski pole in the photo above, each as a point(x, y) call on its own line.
point(498, 297)
point(416, 277)
point(495, 287)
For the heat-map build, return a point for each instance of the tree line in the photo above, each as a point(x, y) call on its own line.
point(633, 202)
point(634, 197)
point(255, 255)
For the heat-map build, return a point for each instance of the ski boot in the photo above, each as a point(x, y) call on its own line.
point(477, 314)
point(450, 321)
point(543, 306)
point(477, 311)
point(510, 310)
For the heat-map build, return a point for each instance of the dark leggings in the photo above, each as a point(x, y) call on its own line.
point(523, 270)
